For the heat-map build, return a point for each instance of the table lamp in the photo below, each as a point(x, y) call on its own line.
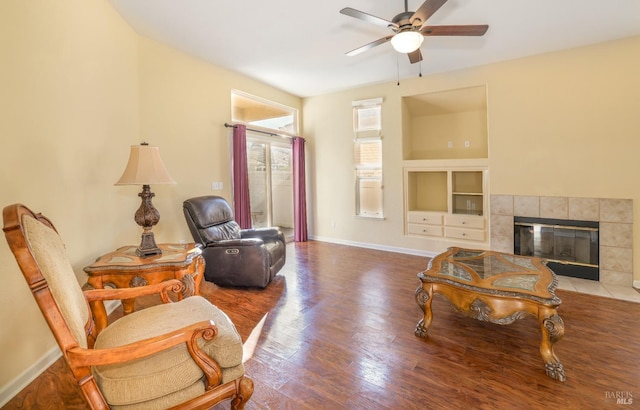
point(145, 167)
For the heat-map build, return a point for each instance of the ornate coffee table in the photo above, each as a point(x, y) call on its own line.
point(498, 288)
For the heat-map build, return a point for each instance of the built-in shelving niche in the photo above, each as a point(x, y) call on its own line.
point(445, 153)
point(449, 124)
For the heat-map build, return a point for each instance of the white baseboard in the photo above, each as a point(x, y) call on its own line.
point(407, 251)
point(11, 389)
point(8, 391)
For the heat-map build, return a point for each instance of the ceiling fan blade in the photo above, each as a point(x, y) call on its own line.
point(469, 30)
point(425, 11)
point(370, 45)
point(348, 11)
point(415, 56)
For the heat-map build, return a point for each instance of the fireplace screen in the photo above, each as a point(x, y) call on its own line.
point(570, 246)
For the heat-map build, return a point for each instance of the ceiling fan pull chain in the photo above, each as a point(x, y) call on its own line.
point(398, 67)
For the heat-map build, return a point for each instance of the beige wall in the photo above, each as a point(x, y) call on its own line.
point(184, 104)
point(559, 124)
point(457, 128)
point(79, 86)
point(68, 110)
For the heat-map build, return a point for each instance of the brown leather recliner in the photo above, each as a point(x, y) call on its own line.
point(233, 256)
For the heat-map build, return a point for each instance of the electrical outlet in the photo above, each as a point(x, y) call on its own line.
point(216, 186)
point(466, 144)
point(450, 144)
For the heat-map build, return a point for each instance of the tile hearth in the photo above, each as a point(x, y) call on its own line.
point(621, 292)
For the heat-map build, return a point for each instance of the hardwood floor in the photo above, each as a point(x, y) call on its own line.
point(334, 330)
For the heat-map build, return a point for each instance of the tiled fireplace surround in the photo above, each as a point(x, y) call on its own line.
point(616, 227)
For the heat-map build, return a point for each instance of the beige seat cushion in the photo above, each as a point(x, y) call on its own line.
point(171, 372)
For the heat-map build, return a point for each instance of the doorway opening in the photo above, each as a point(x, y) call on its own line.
point(270, 166)
point(269, 159)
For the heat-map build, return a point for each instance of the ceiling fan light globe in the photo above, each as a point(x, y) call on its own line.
point(407, 41)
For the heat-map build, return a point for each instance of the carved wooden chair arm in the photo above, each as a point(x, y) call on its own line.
point(163, 289)
point(189, 335)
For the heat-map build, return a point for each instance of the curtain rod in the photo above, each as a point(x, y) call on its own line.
point(271, 134)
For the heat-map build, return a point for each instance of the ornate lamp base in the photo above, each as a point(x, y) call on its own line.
point(147, 216)
point(148, 246)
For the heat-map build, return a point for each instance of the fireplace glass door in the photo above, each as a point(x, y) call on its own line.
point(572, 247)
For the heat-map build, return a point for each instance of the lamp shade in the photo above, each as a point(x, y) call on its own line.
point(407, 41)
point(145, 167)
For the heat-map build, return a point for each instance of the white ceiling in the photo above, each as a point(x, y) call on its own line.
point(299, 46)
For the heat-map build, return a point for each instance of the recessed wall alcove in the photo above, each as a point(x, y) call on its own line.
point(447, 124)
point(614, 215)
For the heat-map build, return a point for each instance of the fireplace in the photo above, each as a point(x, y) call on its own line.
point(571, 247)
point(614, 215)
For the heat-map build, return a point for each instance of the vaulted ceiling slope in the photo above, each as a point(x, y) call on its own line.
point(299, 46)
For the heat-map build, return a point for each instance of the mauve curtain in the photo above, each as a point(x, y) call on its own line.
point(241, 201)
point(299, 192)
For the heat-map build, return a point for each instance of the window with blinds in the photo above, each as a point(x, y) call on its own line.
point(367, 124)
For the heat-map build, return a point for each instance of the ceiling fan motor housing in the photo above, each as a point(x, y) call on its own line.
point(403, 22)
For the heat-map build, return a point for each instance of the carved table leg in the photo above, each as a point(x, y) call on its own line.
point(128, 305)
point(423, 299)
point(99, 314)
point(189, 286)
point(552, 330)
point(198, 274)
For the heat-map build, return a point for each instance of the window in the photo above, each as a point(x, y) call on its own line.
point(262, 114)
point(367, 124)
point(367, 118)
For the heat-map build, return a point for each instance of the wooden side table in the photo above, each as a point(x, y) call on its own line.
point(123, 268)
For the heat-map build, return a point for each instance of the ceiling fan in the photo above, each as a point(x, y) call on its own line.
point(409, 29)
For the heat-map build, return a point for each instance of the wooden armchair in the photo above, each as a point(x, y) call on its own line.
point(184, 354)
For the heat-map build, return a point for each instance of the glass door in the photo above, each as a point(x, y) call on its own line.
point(270, 183)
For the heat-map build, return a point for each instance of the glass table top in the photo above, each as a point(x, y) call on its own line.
point(492, 271)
